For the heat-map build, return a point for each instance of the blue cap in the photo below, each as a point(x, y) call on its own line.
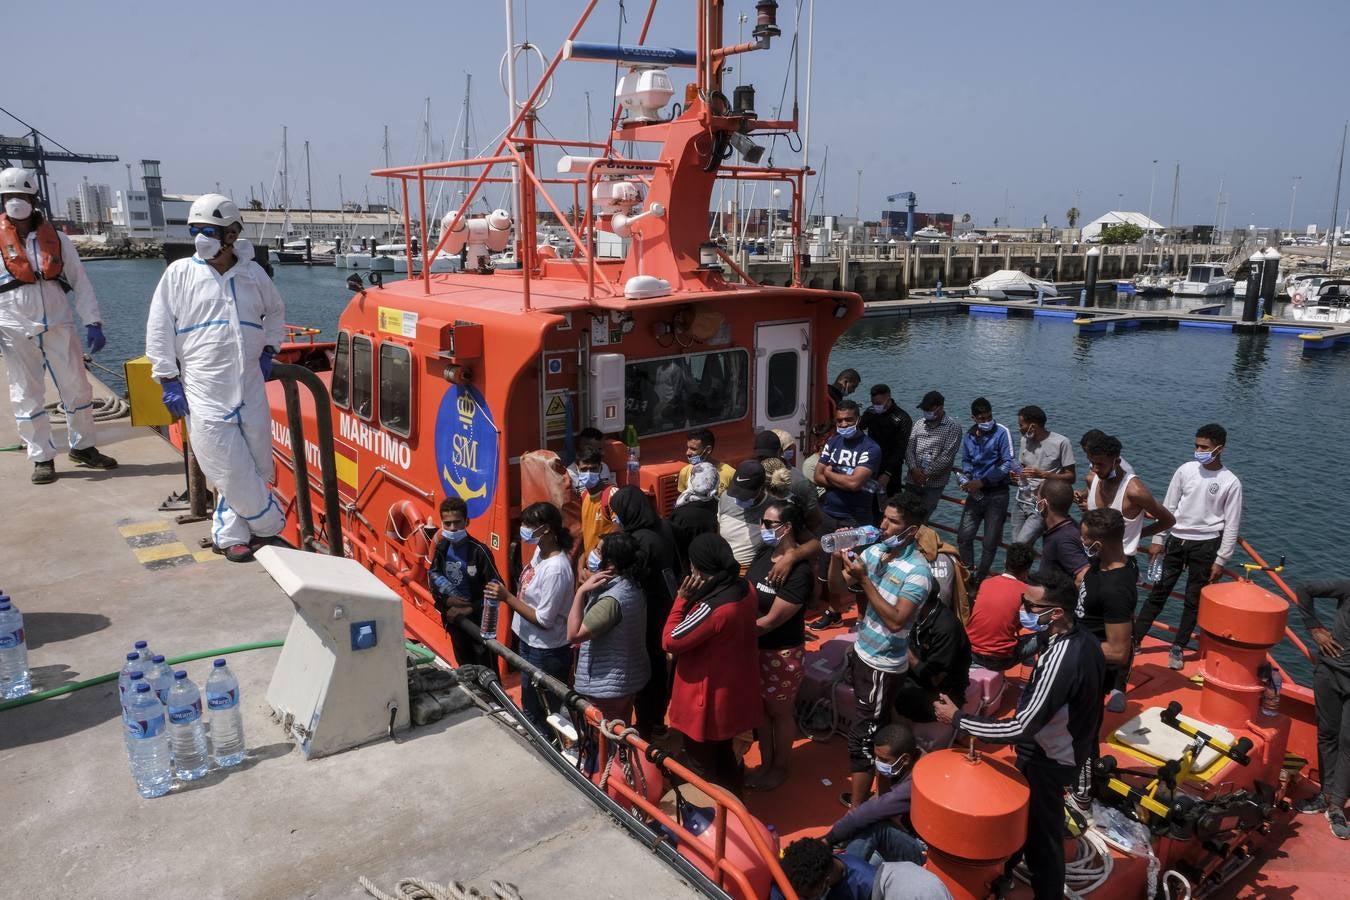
point(219, 664)
point(140, 645)
point(133, 656)
point(157, 658)
point(4, 606)
point(179, 674)
point(134, 675)
point(142, 688)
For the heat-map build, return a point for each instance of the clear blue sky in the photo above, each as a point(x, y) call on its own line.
point(1048, 101)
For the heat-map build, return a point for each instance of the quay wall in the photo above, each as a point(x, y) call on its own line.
point(890, 272)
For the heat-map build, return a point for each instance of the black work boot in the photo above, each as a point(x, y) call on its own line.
point(92, 459)
point(44, 472)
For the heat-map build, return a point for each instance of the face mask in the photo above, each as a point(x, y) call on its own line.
point(1204, 457)
point(207, 247)
point(588, 480)
point(885, 768)
point(847, 431)
point(695, 460)
point(1091, 549)
point(1042, 508)
point(878, 407)
point(931, 415)
point(790, 455)
point(745, 504)
point(617, 523)
point(985, 426)
point(454, 536)
point(527, 534)
point(16, 208)
point(896, 541)
point(1113, 474)
point(769, 536)
point(1031, 621)
point(593, 561)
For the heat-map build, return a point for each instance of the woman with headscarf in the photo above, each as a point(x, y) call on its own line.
point(608, 622)
point(634, 514)
point(712, 633)
point(695, 511)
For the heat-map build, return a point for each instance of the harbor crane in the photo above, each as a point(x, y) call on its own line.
point(911, 204)
point(27, 152)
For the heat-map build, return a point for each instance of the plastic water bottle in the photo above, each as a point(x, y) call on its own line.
point(124, 677)
point(227, 726)
point(15, 681)
point(1270, 697)
point(143, 648)
point(862, 536)
point(160, 677)
point(187, 731)
point(487, 626)
point(1155, 567)
point(148, 743)
point(134, 678)
point(963, 479)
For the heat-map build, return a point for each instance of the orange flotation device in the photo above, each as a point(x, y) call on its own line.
point(15, 258)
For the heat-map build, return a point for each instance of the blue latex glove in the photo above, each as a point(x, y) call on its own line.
point(265, 363)
point(174, 399)
point(93, 336)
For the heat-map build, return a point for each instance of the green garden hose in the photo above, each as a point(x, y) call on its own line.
point(422, 653)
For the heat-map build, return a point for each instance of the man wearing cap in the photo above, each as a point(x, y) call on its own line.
point(739, 512)
point(932, 450)
point(776, 445)
point(40, 276)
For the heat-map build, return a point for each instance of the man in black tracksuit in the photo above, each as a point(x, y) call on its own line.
point(1054, 728)
point(889, 426)
point(939, 660)
point(1331, 693)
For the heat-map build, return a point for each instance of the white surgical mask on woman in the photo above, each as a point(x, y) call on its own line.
point(207, 247)
point(18, 208)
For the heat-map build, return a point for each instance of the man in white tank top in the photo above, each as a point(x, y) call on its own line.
point(1110, 486)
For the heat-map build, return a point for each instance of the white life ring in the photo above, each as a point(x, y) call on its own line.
point(1297, 299)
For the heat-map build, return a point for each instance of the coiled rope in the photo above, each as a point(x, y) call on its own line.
point(105, 410)
point(421, 889)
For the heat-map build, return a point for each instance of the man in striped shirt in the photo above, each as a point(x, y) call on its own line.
point(1055, 727)
point(894, 579)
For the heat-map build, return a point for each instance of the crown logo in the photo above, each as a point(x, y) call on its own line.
point(467, 408)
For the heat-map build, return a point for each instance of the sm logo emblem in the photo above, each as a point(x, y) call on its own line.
point(466, 448)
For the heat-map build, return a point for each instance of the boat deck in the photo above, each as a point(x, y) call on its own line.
point(94, 566)
point(1301, 858)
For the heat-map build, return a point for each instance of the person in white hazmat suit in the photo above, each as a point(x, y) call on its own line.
point(216, 320)
point(40, 274)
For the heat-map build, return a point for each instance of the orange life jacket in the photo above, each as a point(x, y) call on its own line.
point(15, 259)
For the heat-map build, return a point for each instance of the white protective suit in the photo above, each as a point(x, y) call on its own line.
point(209, 330)
point(37, 336)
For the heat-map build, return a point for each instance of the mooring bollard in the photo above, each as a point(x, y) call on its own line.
point(1269, 279)
point(1256, 266)
point(1092, 266)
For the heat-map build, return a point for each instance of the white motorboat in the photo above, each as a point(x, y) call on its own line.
point(1155, 280)
point(1010, 284)
point(1204, 280)
point(929, 233)
point(1329, 301)
point(444, 262)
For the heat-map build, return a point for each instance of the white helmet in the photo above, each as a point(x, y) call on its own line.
point(18, 181)
point(214, 209)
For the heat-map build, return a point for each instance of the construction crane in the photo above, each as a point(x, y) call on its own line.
point(911, 204)
point(27, 151)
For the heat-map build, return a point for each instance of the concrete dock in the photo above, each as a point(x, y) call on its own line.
point(95, 566)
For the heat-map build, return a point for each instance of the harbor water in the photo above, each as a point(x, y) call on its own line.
point(1151, 388)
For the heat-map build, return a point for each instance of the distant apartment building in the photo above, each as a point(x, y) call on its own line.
point(73, 209)
point(95, 205)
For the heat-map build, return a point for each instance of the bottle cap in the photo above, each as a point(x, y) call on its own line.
point(219, 664)
point(142, 688)
point(133, 656)
point(4, 606)
point(179, 674)
point(157, 658)
point(134, 675)
point(140, 645)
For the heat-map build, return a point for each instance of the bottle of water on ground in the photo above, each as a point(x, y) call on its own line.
point(227, 726)
point(143, 648)
point(186, 729)
point(148, 742)
point(160, 677)
point(130, 679)
point(15, 681)
point(862, 536)
point(133, 664)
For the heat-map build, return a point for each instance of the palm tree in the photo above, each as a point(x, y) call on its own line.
point(1072, 215)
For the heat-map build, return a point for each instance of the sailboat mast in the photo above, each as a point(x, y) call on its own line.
point(309, 190)
point(285, 171)
point(342, 208)
point(1176, 188)
point(388, 191)
point(464, 146)
point(511, 108)
point(1336, 202)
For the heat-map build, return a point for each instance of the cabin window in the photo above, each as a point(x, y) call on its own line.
point(781, 394)
point(681, 392)
point(396, 388)
point(361, 372)
point(340, 387)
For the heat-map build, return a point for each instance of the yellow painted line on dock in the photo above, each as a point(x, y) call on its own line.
point(136, 529)
point(163, 551)
point(206, 556)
